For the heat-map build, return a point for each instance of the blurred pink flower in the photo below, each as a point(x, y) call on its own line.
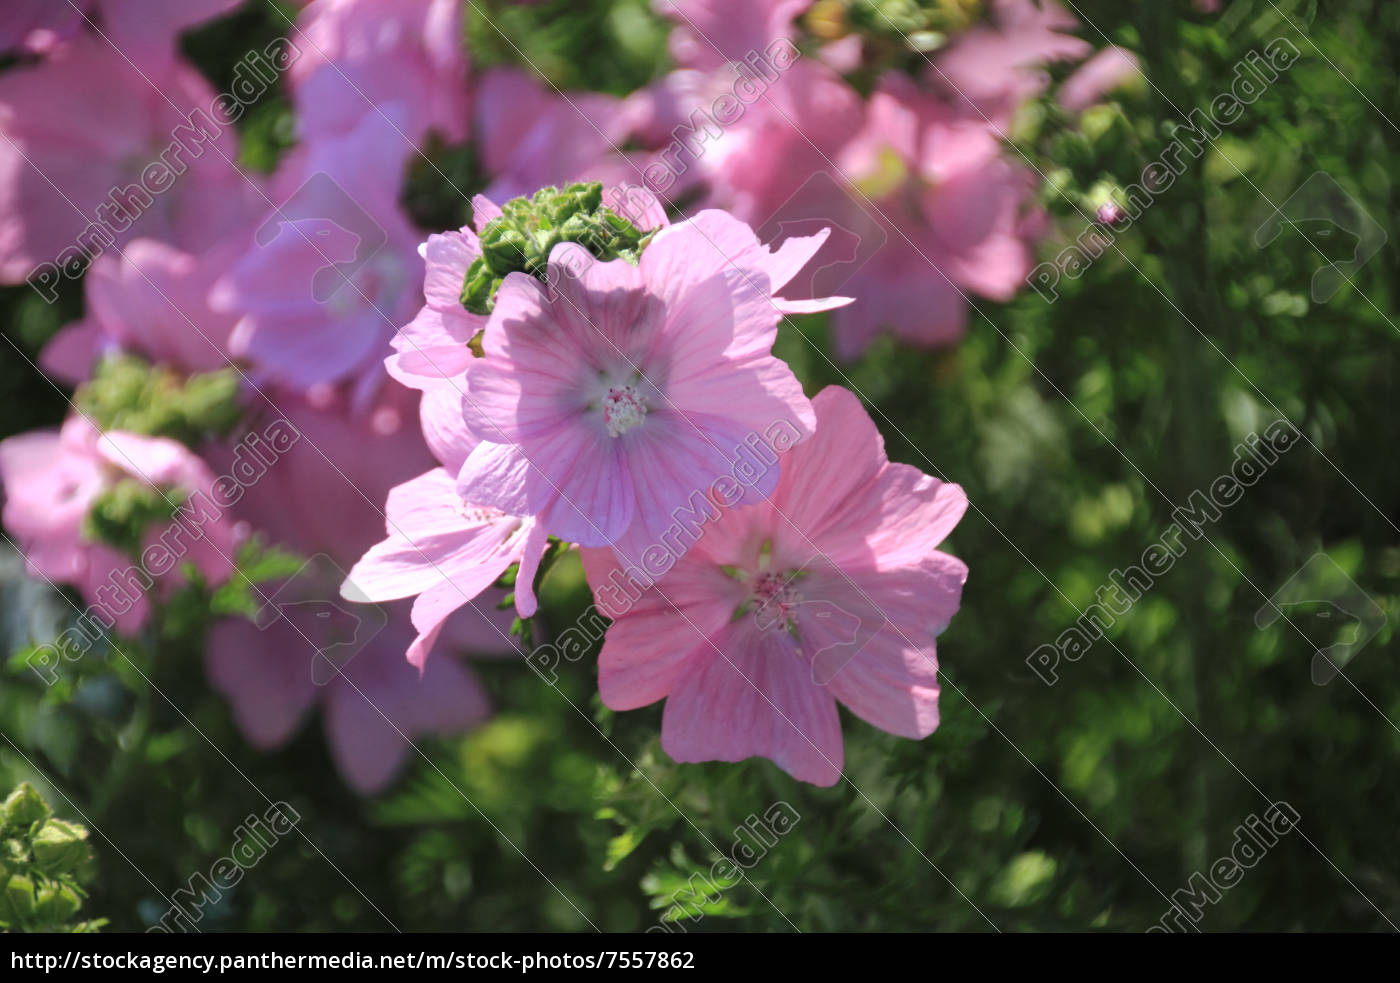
point(746, 116)
point(333, 270)
point(937, 211)
point(360, 56)
point(605, 402)
point(151, 301)
point(326, 493)
point(785, 139)
point(990, 70)
point(141, 28)
point(833, 591)
point(374, 703)
point(322, 499)
point(94, 150)
point(710, 33)
point(1109, 69)
point(51, 479)
point(530, 135)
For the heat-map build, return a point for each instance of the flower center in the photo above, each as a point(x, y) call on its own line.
point(623, 409)
point(478, 514)
point(774, 599)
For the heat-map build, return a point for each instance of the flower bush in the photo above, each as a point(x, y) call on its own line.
point(615, 421)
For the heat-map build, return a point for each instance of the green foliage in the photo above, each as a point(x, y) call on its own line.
point(613, 46)
point(40, 857)
point(520, 239)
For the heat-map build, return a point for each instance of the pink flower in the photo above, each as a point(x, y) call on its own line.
point(605, 403)
point(333, 270)
point(322, 499)
point(144, 28)
point(748, 117)
point(445, 552)
point(1110, 69)
point(989, 71)
point(439, 548)
point(360, 55)
point(51, 481)
point(433, 346)
point(531, 135)
point(94, 151)
point(781, 150)
point(942, 212)
point(374, 704)
point(326, 493)
point(151, 301)
point(710, 33)
point(831, 592)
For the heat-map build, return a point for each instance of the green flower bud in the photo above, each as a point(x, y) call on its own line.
point(527, 230)
point(128, 393)
point(23, 808)
point(505, 250)
point(19, 897)
point(60, 847)
point(210, 402)
point(57, 903)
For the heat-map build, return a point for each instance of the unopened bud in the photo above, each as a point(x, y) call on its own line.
point(18, 898)
point(23, 808)
point(60, 847)
point(57, 903)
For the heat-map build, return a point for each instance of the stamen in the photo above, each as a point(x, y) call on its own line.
point(775, 600)
point(623, 409)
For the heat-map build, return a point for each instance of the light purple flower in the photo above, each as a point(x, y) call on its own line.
point(440, 549)
point(433, 346)
point(334, 269)
point(605, 402)
point(142, 28)
point(360, 56)
point(152, 301)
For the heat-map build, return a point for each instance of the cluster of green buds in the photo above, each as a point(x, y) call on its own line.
point(520, 239)
point(39, 857)
point(923, 25)
point(128, 393)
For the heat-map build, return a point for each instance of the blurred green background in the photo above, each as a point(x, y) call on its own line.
point(1075, 427)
